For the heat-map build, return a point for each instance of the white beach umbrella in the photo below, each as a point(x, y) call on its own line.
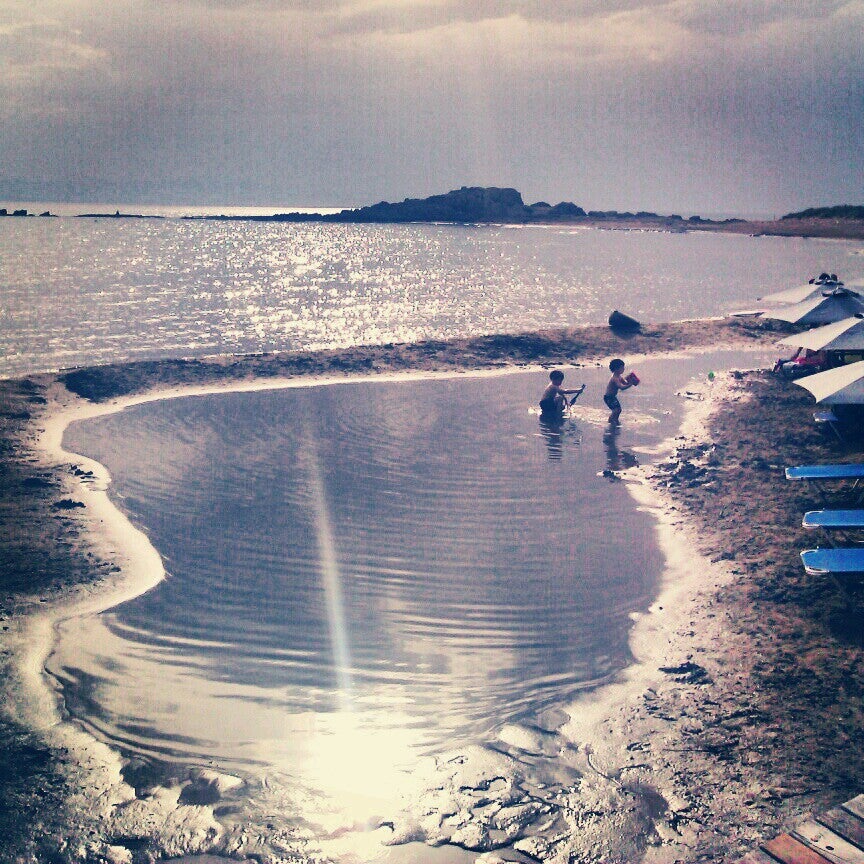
point(793, 295)
point(844, 335)
point(804, 292)
point(841, 386)
point(820, 309)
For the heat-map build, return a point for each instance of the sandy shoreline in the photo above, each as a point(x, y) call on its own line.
point(722, 748)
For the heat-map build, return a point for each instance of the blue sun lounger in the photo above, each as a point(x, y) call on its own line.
point(853, 471)
point(845, 524)
point(841, 520)
point(823, 475)
point(836, 562)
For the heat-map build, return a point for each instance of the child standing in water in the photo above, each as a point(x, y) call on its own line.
point(616, 383)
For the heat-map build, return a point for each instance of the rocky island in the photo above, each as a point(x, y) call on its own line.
point(492, 205)
point(475, 205)
point(471, 205)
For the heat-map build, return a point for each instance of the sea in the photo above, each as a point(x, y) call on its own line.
point(367, 580)
point(82, 291)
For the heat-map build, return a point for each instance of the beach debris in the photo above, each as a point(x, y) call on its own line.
point(540, 847)
point(535, 742)
point(622, 323)
point(688, 673)
point(15, 415)
point(208, 787)
point(37, 483)
point(479, 799)
point(67, 504)
point(117, 855)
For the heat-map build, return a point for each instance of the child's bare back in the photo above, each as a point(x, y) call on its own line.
point(616, 383)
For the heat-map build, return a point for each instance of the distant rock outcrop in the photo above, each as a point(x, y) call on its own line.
point(468, 204)
point(541, 211)
point(843, 211)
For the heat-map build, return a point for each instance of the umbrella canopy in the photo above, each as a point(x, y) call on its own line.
point(812, 289)
point(793, 295)
point(820, 309)
point(844, 335)
point(825, 283)
point(841, 386)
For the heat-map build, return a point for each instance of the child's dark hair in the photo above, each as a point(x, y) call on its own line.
point(616, 365)
point(556, 375)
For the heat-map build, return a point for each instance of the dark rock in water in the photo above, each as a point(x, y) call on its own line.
point(49, 213)
point(622, 323)
point(19, 213)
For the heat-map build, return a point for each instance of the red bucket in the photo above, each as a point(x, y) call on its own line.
point(633, 379)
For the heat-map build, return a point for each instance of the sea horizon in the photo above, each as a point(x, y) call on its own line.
point(169, 211)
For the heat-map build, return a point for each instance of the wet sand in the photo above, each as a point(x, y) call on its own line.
point(756, 719)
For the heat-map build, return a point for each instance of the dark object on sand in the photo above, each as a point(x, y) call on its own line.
point(67, 504)
point(622, 323)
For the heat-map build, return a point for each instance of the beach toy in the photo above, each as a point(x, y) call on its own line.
point(633, 379)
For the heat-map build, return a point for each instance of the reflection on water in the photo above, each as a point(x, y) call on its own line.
point(331, 576)
point(616, 459)
point(555, 429)
point(361, 574)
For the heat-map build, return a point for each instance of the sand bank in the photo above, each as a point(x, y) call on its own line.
point(698, 767)
point(818, 228)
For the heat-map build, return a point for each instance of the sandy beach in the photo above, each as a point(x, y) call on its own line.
point(749, 671)
point(824, 228)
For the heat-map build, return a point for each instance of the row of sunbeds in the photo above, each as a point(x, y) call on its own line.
point(839, 526)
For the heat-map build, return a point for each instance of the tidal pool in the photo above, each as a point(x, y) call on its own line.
point(361, 576)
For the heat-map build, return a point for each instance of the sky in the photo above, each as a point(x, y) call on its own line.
point(676, 106)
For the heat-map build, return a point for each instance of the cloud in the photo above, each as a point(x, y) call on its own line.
point(618, 103)
point(30, 51)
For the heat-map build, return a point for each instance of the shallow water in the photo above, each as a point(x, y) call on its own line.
point(81, 291)
point(366, 574)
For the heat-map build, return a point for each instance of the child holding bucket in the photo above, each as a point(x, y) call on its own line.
point(617, 382)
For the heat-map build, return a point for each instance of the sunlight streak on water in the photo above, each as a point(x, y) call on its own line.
point(331, 577)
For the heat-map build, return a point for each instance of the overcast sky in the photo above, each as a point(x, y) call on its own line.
point(688, 106)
